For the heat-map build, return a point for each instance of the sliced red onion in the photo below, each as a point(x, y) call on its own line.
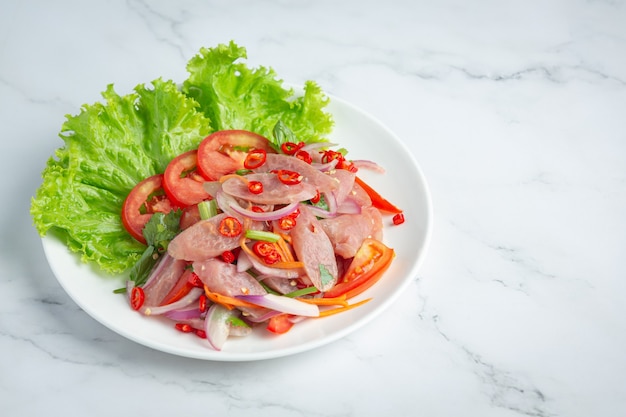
point(263, 317)
point(317, 145)
point(243, 262)
point(225, 202)
point(266, 215)
point(192, 296)
point(229, 204)
point(326, 166)
point(283, 304)
point(216, 325)
point(183, 314)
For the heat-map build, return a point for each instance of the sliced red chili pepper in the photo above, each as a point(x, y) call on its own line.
point(272, 257)
point(200, 333)
point(203, 303)
point(377, 200)
point(137, 298)
point(317, 197)
point(398, 219)
point(289, 177)
point(304, 156)
point(290, 148)
point(230, 227)
point(184, 327)
point(255, 187)
point(257, 209)
point(228, 257)
point(287, 222)
point(342, 163)
point(255, 159)
point(263, 248)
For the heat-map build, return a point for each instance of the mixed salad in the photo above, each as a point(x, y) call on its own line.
point(221, 201)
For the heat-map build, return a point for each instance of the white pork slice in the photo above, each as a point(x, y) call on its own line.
point(345, 181)
point(203, 240)
point(225, 279)
point(311, 175)
point(274, 191)
point(315, 250)
point(347, 231)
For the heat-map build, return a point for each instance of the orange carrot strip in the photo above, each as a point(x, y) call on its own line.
point(332, 311)
point(285, 250)
point(229, 176)
point(337, 301)
point(226, 301)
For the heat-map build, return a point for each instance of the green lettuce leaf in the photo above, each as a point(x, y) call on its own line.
point(109, 148)
point(235, 96)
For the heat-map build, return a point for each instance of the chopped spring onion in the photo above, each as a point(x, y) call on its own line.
point(207, 208)
point(262, 235)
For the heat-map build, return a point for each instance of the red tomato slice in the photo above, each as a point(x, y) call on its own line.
point(279, 324)
point(225, 151)
point(377, 200)
point(182, 187)
point(145, 199)
point(370, 262)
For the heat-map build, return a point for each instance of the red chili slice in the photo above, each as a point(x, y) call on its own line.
point(304, 156)
point(230, 227)
point(263, 248)
point(398, 219)
point(228, 257)
point(255, 187)
point(289, 177)
point(317, 197)
point(290, 148)
point(287, 222)
point(137, 298)
point(255, 159)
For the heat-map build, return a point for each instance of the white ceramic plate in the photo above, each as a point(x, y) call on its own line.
point(402, 183)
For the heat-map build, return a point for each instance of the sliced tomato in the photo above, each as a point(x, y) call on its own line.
point(225, 151)
point(145, 199)
point(368, 265)
point(182, 185)
point(279, 324)
point(378, 201)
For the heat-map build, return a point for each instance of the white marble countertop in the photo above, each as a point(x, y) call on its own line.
point(515, 113)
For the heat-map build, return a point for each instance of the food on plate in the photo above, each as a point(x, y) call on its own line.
point(221, 200)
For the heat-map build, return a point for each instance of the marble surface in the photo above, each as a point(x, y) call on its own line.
point(515, 113)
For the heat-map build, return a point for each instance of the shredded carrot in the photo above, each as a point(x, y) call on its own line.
point(226, 301)
point(285, 249)
point(337, 301)
point(285, 236)
point(287, 265)
point(239, 177)
point(332, 311)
